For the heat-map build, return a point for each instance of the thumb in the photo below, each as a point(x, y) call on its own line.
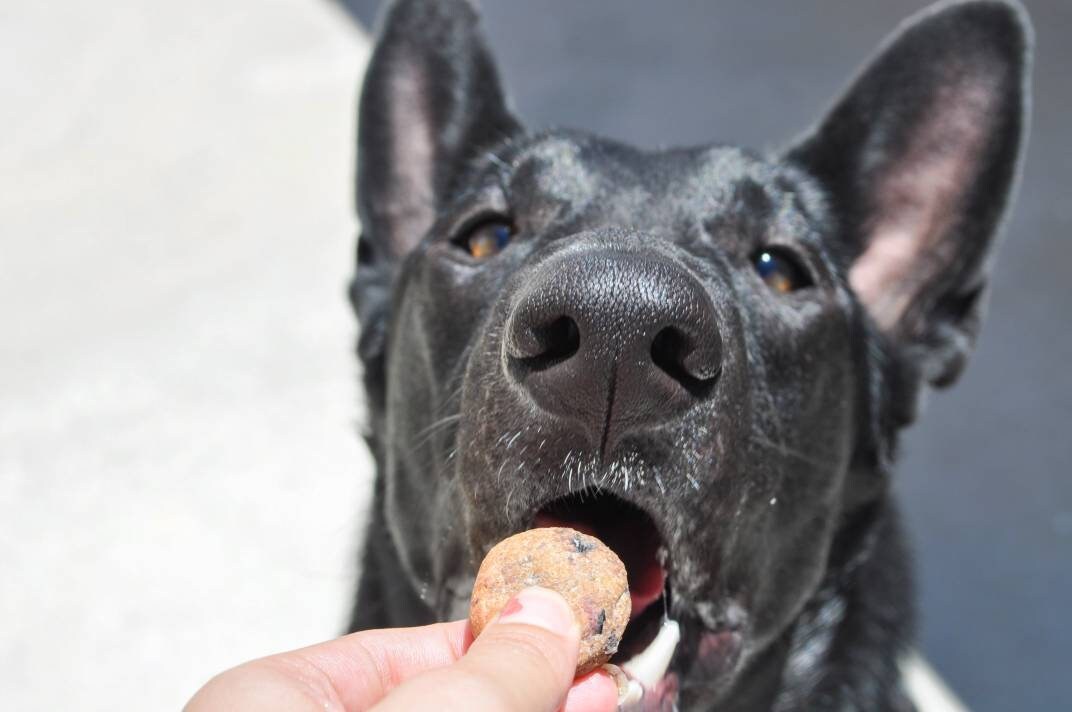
point(522, 662)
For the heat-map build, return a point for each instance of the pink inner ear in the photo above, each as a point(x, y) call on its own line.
point(917, 201)
point(413, 149)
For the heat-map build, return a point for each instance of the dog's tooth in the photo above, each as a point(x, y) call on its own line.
point(649, 665)
point(634, 693)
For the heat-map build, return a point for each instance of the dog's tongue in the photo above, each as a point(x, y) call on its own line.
point(647, 577)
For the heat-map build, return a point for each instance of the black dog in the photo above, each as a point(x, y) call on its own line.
point(702, 355)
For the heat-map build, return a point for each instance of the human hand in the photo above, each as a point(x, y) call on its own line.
point(523, 662)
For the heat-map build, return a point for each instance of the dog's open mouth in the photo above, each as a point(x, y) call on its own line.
point(651, 638)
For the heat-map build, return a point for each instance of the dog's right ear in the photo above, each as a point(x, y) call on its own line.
point(920, 158)
point(431, 101)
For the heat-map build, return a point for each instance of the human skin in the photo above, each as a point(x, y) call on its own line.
point(523, 662)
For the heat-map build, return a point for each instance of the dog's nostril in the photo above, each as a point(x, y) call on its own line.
point(554, 342)
point(694, 366)
point(564, 339)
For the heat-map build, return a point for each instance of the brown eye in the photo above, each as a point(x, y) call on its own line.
point(487, 238)
point(780, 270)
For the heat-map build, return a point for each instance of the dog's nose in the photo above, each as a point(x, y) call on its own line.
point(616, 341)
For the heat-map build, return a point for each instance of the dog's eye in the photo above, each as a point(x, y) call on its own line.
point(780, 270)
point(487, 238)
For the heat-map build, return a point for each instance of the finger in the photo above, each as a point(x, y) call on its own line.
point(522, 662)
point(595, 692)
point(349, 673)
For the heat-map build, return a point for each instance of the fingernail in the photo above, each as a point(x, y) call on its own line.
point(540, 607)
point(629, 691)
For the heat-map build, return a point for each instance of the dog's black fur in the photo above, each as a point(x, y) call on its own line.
point(622, 345)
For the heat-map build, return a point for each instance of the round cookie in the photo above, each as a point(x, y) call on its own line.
point(581, 568)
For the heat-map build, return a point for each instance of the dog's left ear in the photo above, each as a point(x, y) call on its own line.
point(919, 158)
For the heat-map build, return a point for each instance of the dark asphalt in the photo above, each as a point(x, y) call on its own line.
point(985, 475)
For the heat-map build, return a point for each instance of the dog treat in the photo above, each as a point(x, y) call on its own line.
point(581, 568)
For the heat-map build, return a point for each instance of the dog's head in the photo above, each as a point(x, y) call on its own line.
point(701, 355)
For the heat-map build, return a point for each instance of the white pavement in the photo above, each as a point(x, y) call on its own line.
point(180, 480)
point(181, 485)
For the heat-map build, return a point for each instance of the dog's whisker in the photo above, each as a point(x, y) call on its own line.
point(425, 433)
point(499, 162)
point(783, 449)
point(511, 491)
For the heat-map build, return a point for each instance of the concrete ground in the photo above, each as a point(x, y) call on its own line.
point(180, 480)
point(181, 486)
